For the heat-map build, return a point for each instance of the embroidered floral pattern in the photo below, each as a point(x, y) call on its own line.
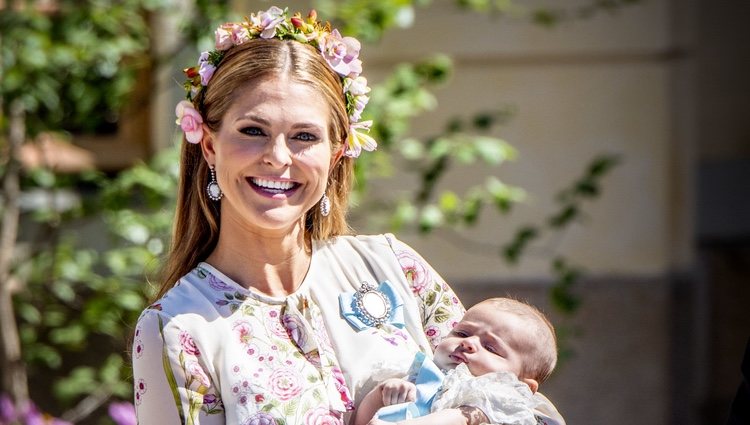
point(285, 383)
point(188, 345)
point(322, 416)
point(139, 388)
point(440, 308)
point(267, 376)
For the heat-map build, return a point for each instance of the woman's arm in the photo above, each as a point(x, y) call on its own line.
point(171, 384)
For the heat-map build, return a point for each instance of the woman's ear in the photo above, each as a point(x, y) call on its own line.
point(337, 155)
point(532, 383)
point(207, 145)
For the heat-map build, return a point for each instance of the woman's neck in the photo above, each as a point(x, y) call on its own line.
point(273, 265)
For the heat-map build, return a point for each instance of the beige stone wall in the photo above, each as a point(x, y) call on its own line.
point(581, 89)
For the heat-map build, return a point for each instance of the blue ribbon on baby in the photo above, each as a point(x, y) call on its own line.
point(346, 304)
point(428, 380)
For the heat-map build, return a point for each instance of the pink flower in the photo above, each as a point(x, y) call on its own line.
point(269, 20)
point(343, 390)
point(240, 34)
point(195, 371)
point(285, 383)
point(341, 53)
point(433, 335)
point(244, 332)
point(206, 69)
point(358, 141)
point(188, 345)
point(359, 106)
point(224, 36)
point(322, 416)
point(122, 413)
point(356, 86)
point(416, 272)
point(190, 121)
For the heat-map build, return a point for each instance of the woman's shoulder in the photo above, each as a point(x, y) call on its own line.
point(188, 295)
point(376, 242)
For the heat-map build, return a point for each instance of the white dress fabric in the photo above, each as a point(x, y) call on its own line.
point(501, 396)
point(213, 352)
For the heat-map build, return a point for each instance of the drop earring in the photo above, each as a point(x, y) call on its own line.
point(325, 205)
point(213, 189)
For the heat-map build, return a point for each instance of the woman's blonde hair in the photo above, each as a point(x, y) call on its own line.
point(196, 225)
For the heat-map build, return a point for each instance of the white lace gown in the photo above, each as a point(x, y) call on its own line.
point(213, 352)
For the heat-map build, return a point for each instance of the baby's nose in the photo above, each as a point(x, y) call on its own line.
point(469, 345)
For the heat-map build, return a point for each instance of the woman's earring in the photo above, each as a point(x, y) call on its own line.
point(325, 205)
point(213, 189)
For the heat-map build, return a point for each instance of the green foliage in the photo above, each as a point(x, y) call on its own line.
point(66, 65)
point(83, 301)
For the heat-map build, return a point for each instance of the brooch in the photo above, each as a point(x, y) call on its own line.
point(371, 306)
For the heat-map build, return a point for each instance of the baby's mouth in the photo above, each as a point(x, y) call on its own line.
point(457, 358)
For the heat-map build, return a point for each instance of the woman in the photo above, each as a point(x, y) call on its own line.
point(270, 312)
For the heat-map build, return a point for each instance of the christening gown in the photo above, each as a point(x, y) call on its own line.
point(213, 352)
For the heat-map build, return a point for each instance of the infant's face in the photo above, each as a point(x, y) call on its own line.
point(487, 340)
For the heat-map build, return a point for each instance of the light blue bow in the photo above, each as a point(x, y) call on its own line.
point(354, 317)
point(428, 380)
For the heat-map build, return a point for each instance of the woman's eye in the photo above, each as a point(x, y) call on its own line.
point(462, 334)
point(306, 137)
point(252, 131)
point(491, 349)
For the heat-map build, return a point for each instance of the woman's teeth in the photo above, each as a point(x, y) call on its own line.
point(274, 185)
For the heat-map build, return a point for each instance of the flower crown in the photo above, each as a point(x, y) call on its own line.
point(341, 53)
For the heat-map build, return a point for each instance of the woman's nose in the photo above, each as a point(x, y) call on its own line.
point(277, 152)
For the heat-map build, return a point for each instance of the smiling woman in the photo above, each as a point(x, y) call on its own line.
point(270, 311)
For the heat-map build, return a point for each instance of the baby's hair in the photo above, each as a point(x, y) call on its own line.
point(542, 349)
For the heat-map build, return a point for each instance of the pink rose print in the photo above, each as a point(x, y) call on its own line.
point(416, 272)
point(188, 345)
point(433, 335)
point(244, 332)
point(195, 372)
point(260, 418)
point(285, 383)
point(322, 416)
point(346, 396)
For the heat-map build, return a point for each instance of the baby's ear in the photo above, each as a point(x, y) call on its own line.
point(532, 383)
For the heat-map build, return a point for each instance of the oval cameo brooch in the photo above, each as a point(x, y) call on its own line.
point(371, 306)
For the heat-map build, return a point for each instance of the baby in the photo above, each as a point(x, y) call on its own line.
point(497, 356)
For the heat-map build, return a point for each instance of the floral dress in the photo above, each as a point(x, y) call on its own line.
point(211, 351)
